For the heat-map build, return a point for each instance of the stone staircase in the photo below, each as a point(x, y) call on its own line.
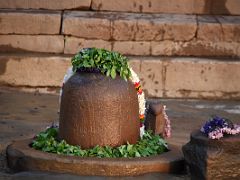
point(179, 48)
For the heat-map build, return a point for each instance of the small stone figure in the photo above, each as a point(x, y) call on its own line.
point(157, 120)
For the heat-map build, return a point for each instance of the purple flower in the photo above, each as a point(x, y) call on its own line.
point(217, 126)
point(213, 124)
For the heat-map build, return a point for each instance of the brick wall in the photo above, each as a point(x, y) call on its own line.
point(131, 34)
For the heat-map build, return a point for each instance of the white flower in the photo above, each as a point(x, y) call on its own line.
point(141, 102)
point(68, 74)
point(134, 77)
point(65, 78)
point(167, 128)
point(142, 131)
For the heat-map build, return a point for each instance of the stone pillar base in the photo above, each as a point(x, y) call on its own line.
point(213, 159)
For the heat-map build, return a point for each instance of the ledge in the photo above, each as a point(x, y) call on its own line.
point(22, 157)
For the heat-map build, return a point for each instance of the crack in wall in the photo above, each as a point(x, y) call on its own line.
point(61, 23)
point(164, 77)
point(195, 35)
point(135, 28)
point(221, 27)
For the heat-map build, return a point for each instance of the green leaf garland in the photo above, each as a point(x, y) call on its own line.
point(109, 63)
point(149, 145)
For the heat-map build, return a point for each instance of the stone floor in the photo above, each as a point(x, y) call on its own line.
point(22, 115)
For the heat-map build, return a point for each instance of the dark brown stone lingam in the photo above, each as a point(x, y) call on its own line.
point(98, 110)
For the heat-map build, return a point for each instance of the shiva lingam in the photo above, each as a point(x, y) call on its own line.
point(98, 110)
point(87, 116)
point(106, 110)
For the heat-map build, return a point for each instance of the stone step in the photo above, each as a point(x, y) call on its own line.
point(70, 45)
point(170, 77)
point(170, 6)
point(226, 7)
point(157, 48)
point(128, 33)
point(150, 27)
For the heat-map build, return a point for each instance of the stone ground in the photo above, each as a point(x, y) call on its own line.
point(22, 115)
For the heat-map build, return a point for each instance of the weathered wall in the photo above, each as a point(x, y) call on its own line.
point(180, 48)
point(130, 34)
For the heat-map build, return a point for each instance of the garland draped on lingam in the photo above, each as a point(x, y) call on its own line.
point(133, 77)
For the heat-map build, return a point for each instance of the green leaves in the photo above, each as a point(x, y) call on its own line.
point(149, 145)
point(113, 72)
point(109, 63)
